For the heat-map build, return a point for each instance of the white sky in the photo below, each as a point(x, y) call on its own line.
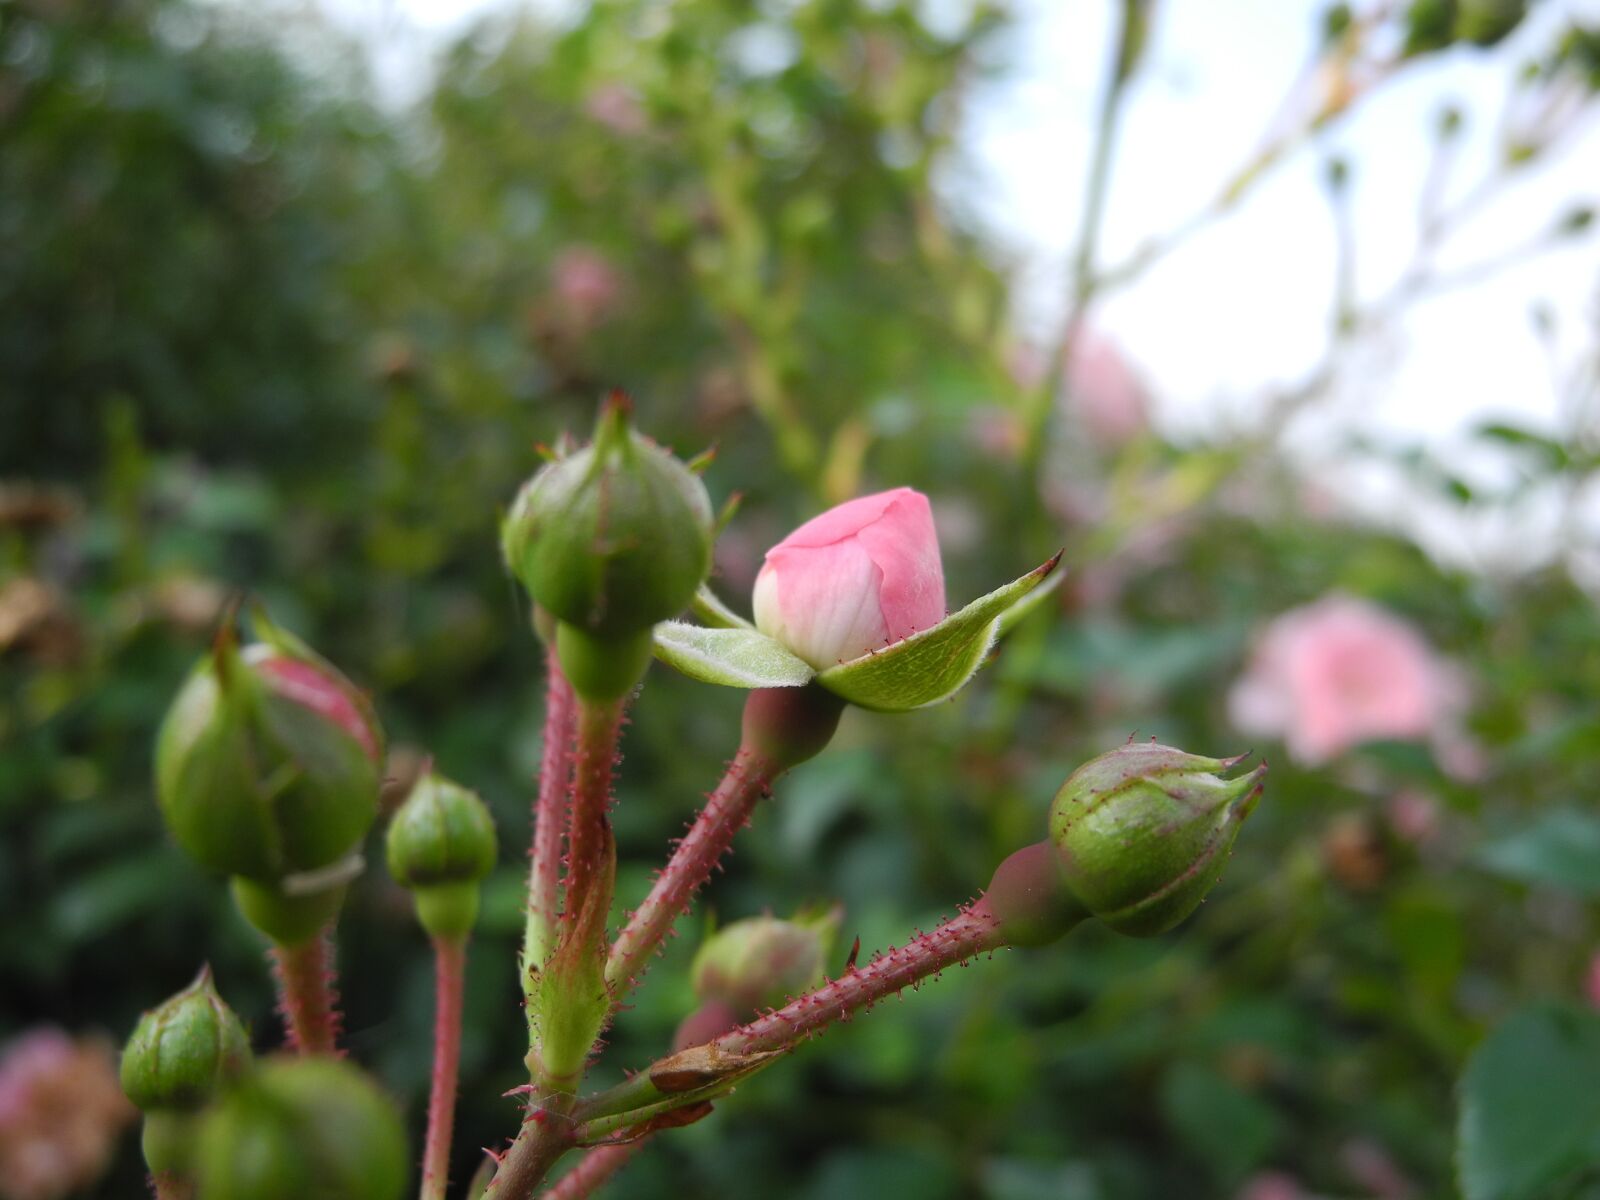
point(1245, 305)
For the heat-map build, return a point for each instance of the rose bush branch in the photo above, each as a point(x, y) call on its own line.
point(550, 817)
point(441, 844)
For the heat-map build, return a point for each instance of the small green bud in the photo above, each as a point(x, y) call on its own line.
point(268, 761)
point(306, 1129)
point(443, 833)
point(614, 537)
point(1142, 832)
point(167, 1142)
point(185, 1050)
point(441, 844)
point(760, 962)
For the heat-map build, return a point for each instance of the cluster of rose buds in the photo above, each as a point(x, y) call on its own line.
point(268, 771)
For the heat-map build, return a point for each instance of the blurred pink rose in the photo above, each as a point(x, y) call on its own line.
point(61, 1110)
point(1105, 393)
point(1373, 1168)
point(615, 107)
point(586, 285)
point(1271, 1185)
point(1340, 672)
point(860, 576)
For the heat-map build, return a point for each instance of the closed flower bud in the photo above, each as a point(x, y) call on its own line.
point(441, 844)
point(760, 962)
point(857, 578)
point(185, 1050)
point(614, 537)
point(1142, 832)
point(267, 763)
point(307, 1128)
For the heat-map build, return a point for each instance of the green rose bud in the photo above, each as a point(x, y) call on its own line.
point(441, 844)
point(306, 1128)
point(1142, 832)
point(185, 1050)
point(267, 764)
point(610, 540)
point(760, 962)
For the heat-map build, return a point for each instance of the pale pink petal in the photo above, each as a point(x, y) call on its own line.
point(821, 602)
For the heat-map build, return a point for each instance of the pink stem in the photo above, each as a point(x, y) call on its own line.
point(727, 810)
point(549, 816)
point(449, 960)
point(599, 727)
point(970, 932)
point(307, 995)
point(592, 1171)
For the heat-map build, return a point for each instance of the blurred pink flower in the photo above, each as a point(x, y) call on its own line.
point(997, 432)
point(617, 108)
point(1414, 816)
point(1339, 672)
point(1271, 1185)
point(1592, 981)
point(1105, 393)
point(586, 285)
point(1373, 1168)
point(858, 577)
point(61, 1109)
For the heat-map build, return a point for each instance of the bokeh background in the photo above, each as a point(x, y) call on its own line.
point(1256, 309)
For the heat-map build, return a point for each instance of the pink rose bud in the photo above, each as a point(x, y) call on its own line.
point(861, 576)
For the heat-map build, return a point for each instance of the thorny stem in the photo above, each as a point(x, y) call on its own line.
point(449, 960)
point(599, 726)
point(708, 1069)
point(545, 1136)
point(966, 935)
point(307, 997)
point(549, 817)
point(593, 1170)
point(727, 810)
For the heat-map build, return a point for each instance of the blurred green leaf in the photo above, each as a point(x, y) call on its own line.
point(1561, 849)
point(1225, 1127)
point(1530, 1106)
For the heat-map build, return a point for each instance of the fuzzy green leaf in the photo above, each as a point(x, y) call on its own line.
point(934, 664)
point(709, 607)
point(739, 658)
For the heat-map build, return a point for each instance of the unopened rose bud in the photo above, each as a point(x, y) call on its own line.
point(760, 962)
point(185, 1050)
point(856, 578)
point(441, 844)
point(303, 1127)
point(610, 540)
point(267, 763)
point(1142, 833)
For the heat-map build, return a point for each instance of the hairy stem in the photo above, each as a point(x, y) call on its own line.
point(545, 1136)
point(701, 1073)
point(599, 726)
point(592, 1171)
point(307, 997)
point(969, 933)
point(550, 815)
point(449, 962)
point(727, 810)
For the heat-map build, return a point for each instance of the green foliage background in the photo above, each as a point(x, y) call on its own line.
point(261, 335)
